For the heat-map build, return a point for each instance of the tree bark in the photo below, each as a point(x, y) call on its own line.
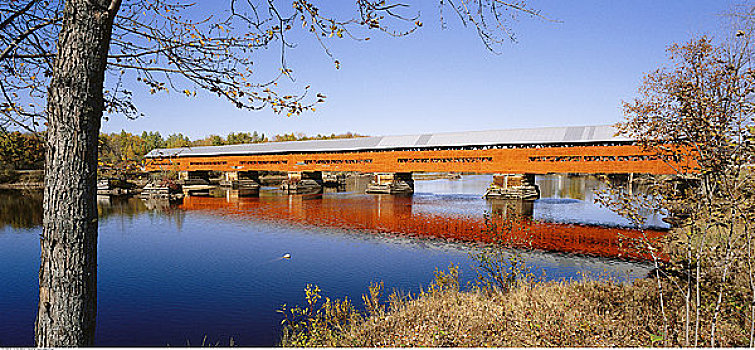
point(68, 268)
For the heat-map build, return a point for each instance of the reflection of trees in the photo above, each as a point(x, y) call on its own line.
point(165, 208)
point(120, 206)
point(23, 209)
point(511, 207)
point(567, 186)
point(20, 209)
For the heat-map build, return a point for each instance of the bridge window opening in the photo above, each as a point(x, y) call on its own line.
point(262, 162)
point(446, 160)
point(209, 163)
point(627, 158)
point(337, 161)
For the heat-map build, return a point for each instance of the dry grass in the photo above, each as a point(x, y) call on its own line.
point(579, 313)
point(544, 314)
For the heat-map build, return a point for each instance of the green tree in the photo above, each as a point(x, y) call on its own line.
point(239, 138)
point(177, 140)
point(152, 140)
point(216, 140)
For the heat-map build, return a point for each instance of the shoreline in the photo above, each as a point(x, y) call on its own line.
point(23, 186)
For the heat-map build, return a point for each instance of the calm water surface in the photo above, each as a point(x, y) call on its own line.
point(171, 274)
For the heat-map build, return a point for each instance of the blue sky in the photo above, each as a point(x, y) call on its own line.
point(575, 72)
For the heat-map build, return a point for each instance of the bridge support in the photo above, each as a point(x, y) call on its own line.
point(333, 179)
point(303, 182)
point(198, 177)
point(513, 186)
point(391, 183)
point(243, 183)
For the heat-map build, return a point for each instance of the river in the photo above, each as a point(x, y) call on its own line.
point(212, 266)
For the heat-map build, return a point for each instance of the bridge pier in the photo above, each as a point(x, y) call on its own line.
point(195, 183)
point(513, 186)
point(333, 179)
point(244, 183)
point(197, 177)
point(303, 182)
point(391, 183)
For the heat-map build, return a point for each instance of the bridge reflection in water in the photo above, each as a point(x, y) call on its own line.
point(386, 214)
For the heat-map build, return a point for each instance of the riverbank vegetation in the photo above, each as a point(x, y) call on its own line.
point(588, 312)
point(696, 115)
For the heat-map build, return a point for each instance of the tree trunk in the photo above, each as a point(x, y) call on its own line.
point(68, 269)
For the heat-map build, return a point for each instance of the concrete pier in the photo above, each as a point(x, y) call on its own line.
point(391, 183)
point(197, 177)
point(333, 179)
point(513, 186)
point(303, 182)
point(245, 183)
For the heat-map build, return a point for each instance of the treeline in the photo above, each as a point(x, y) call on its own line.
point(21, 151)
point(125, 151)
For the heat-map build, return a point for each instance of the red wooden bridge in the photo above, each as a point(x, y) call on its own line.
point(577, 150)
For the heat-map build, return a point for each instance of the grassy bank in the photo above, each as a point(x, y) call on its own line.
point(555, 313)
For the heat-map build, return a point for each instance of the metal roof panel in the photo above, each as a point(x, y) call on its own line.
point(551, 135)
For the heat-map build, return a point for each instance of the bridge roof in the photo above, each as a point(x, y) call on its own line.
point(534, 136)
